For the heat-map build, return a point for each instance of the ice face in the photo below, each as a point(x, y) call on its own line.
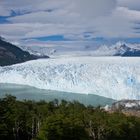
point(111, 77)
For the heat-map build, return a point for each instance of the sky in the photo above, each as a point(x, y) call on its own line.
point(82, 22)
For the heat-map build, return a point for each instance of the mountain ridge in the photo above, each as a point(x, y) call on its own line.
point(11, 54)
point(119, 49)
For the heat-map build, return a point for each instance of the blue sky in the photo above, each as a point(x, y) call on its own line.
point(38, 21)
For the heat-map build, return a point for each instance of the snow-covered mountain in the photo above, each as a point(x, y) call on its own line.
point(112, 77)
point(118, 49)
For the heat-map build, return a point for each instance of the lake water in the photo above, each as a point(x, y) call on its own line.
point(26, 92)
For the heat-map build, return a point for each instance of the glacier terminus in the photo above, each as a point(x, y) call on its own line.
point(112, 77)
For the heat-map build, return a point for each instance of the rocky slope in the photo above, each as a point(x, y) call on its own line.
point(11, 54)
point(128, 107)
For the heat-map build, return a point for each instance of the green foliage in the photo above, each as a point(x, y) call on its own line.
point(26, 120)
point(63, 128)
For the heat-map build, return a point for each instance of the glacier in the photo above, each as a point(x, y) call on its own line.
point(112, 77)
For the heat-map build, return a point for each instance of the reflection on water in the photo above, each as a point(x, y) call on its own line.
point(31, 93)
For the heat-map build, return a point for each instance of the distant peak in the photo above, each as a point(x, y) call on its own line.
point(2, 38)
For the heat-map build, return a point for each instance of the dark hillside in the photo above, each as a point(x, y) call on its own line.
point(11, 54)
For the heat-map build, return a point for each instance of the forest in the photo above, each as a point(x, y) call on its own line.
point(63, 120)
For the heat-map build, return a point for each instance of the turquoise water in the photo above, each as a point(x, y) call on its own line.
point(31, 93)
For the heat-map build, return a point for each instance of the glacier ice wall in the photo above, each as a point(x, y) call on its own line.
point(113, 77)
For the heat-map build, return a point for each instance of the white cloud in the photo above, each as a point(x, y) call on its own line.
point(3, 11)
point(71, 18)
point(94, 8)
point(70, 11)
point(131, 4)
point(119, 25)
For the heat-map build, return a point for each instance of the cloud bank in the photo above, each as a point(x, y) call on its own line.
point(79, 20)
